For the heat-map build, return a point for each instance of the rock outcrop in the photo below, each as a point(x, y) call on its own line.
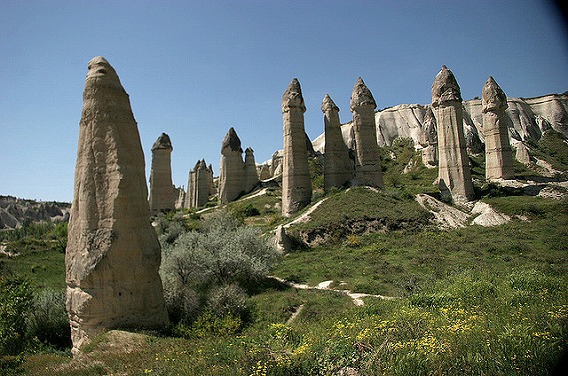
point(296, 182)
point(338, 168)
point(162, 198)
point(367, 161)
point(179, 194)
point(498, 153)
point(454, 177)
point(113, 254)
point(14, 212)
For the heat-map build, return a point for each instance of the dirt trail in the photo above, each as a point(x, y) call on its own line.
point(357, 298)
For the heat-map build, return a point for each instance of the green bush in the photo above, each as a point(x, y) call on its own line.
point(47, 320)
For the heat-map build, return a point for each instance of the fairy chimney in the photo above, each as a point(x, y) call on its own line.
point(338, 168)
point(251, 174)
point(296, 182)
point(454, 176)
point(231, 168)
point(367, 165)
point(162, 197)
point(498, 152)
point(113, 255)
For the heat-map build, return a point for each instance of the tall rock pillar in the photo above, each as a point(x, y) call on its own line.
point(251, 174)
point(162, 198)
point(498, 153)
point(296, 182)
point(454, 176)
point(113, 255)
point(338, 168)
point(367, 165)
point(231, 168)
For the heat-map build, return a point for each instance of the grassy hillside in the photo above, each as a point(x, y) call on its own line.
point(473, 300)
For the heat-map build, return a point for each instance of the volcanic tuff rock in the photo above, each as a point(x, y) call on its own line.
point(338, 167)
point(15, 211)
point(162, 198)
point(454, 178)
point(231, 167)
point(367, 162)
point(113, 254)
point(251, 175)
point(498, 153)
point(296, 183)
point(198, 189)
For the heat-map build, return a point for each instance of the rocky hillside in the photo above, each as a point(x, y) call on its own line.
point(15, 211)
point(530, 117)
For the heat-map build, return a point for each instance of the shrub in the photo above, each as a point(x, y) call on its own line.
point(47, 321)
point(227, 299)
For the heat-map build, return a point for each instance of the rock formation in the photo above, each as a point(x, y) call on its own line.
point(367, 162)
point(198, 185)
point(113, 254)
point(338, 167)
point(179, 194)
point(235, 176)
point(162, 198)
point(454, 177)
point(251, 175)
point(498, 153)
point(429, 140)
point(296, 182)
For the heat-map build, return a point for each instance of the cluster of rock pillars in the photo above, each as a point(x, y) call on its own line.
point(113, 254)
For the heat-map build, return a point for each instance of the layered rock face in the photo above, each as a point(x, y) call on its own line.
point(198, 186)
point(162, 197)
point(113, 254)
point(454, 177)
point(429, 140)
point(296, 182)
point(338, 167)
point(367, 163)
point(251, 174)
point(498, 153)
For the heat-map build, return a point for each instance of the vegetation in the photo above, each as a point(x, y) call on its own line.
point(472, 300)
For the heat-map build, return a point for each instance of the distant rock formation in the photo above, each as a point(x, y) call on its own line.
point(198, 186)
point(162, 198)
point(236, 177)
point(498, 153)
point(15, 212)
point(429, 140)
point(113, 255)
point(454, 177)
point(296, 182)
point(338, 167)
point(367, 163)
point(179, 194)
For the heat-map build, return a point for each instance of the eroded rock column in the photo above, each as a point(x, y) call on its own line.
point(162, 198)
point(296, 182)
point(367, 165)
point(498, 152)
point(231, 168)
point(251, 174)
point(429, 140)
point(113, 254)
point(338, 167)
point(454, 176)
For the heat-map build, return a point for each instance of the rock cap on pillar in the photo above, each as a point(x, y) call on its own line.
point(232, 141)
point(292, 97)
point(493, 97)
point(328, 104)
point(445, 88)
point(163, 142)
point(361, 96)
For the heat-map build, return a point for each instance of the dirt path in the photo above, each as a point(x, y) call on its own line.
point(357, 298)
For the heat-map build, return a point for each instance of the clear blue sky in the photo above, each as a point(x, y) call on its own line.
point(193, 69)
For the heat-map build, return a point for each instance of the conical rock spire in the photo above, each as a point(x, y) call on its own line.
point(445, 88)
point(328, 104)
point(292, 97)
point(361, 96)
point(492, 96)
point(163, 142)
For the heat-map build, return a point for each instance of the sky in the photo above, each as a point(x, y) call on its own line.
point(193, 69)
